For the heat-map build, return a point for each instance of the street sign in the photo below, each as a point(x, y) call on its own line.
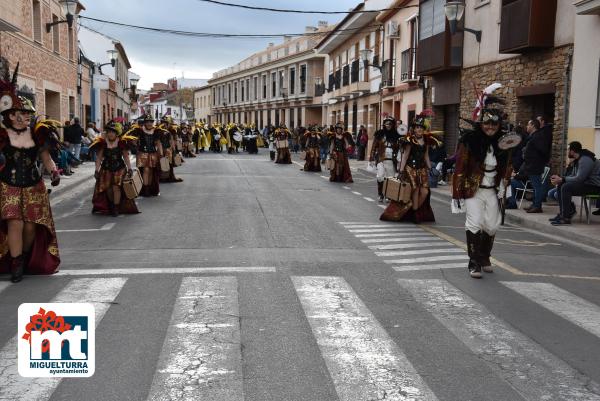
point(100, 81)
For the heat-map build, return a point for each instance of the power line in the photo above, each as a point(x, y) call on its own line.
point(279, 10)
point(368, 28)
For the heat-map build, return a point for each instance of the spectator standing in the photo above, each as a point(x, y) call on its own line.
point(536, 156)
point(76, 135)
point(584, 180)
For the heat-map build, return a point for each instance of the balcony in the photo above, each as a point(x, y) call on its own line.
point(439, 53)
point(408, 65)
point(527, 25)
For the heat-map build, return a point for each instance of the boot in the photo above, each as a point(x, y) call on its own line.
point(114, 209)
point(17, 266)
point(380, 191)
point(487, 242)
point(473, 249)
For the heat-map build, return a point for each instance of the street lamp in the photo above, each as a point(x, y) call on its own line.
point(454, 11)
point(69, 9)
point(112, 55)
point(365, 55)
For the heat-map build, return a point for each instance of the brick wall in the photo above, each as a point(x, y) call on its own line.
point(527, 70)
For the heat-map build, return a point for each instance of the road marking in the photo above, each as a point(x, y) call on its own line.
point(165, 270)
point(513, 242)
point(105, 227)
point(532, 371)
point(368, 199)
point(363, 361)
point(434, 242)
point(201, 355)
point(382, 206)
point(356, 193)
point(427, 259)
point(430, 267)
point(503, 265)
point(3, 286)
point(426, 251)
point(385, 230)
point(100, 292)
point(420, 237)
point(381, 226)
point(566, 305)
point(354, 222)
point(324, 177)
point(346, 187)
point(400, 234)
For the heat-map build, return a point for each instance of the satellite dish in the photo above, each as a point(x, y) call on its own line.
point(402, 129)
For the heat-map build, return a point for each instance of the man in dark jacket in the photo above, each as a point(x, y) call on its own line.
point(584, 180)
point(75, 136)
point(536, 156)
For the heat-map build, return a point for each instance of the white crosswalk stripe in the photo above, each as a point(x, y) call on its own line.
point(363, 361)
point(3, 286)
point(379, 226)
point(427, 259)
point(534, 372)
point(382, 235)
point(423, 237)
point(437, 266)
point(419, 252)
point(385, 230)
point(201, 355)
point(427, 245)
point(566, 305)
point(100, 293)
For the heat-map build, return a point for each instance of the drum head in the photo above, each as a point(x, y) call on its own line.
point(509, 140)
point(402, 129)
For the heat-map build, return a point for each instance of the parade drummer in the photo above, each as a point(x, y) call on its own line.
point(479, 182)
point(414, 168)
point(384, 153)
point(311, 142)
point(282, 135)
point(112, 166)
point(149, 152)
point(339, 144)
point(28, 242)
point(167, 139)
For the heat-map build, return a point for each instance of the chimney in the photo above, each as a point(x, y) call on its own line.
point(310, 29)
point(286, 38)
point(323, 24)
point(271, 44)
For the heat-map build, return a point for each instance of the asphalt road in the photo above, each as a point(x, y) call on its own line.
point(254, 281)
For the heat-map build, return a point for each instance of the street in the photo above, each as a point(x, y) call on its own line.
point(254, 281)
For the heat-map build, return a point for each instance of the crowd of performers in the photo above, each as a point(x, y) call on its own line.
point(28, 243)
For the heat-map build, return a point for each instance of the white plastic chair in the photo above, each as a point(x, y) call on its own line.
point(528, 188)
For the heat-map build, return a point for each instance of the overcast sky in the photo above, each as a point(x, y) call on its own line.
point(157, 57)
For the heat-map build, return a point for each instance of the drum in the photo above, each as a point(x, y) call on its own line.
point(509, 140)
point(237, 137)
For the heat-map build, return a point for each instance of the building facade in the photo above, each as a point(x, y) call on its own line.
point(281, 84)
point(584, 105)
point(48, 60)
point(203, 104)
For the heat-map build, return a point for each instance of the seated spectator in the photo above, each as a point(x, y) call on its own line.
point(584, 180)
point(517, 181)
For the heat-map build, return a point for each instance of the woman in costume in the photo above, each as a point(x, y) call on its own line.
point(311, 142)
point(414, 167)
point(168, 141)
point(384, 153)
point(339, 144)
point(251, 139)
point(149, 152)
point(282, 136)
point(27, 236)
point(480, 177)
point(112, 165)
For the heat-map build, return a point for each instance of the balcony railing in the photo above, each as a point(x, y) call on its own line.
point(355, 71)
point(408, 65)
point(319, 89)
point(346, 75)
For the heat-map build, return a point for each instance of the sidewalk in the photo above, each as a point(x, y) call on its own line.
point(80, 175)
point(579, 231)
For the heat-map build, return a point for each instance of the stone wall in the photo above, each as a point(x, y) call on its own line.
point(527, 70)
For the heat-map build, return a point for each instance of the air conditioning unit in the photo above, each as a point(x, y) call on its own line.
point(393, 30)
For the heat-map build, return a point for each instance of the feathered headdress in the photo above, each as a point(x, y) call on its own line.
point(484, 100)
point(423, 119)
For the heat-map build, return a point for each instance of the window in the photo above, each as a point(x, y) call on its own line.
point(292, 81)
point(598, 102)
point(55, 35)
point(432, 18)
point(228, 93)
point(255, 88)
point(303, 78)
point(243, 90)
point(37, 21)
point(264, 86)
point(281, 82)
point(273, 84)
point(247, 89)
